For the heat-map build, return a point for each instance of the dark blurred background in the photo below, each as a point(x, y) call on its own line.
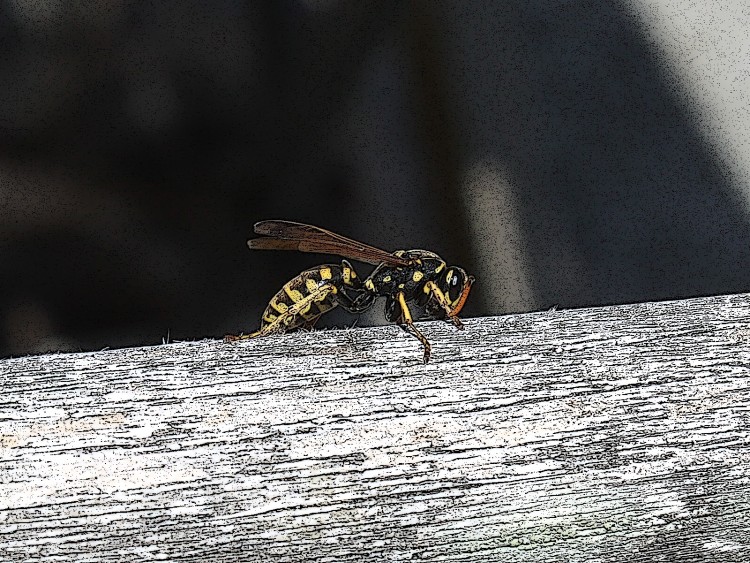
point(566, 153)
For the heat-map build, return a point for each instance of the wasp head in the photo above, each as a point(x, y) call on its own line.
point(455, 285)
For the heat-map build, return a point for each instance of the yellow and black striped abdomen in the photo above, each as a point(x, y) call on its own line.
point(302, 300)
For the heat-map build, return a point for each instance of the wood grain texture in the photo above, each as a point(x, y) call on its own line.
point(615, 434)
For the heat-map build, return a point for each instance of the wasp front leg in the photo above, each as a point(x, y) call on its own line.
point(437, 294)
point(396, 310)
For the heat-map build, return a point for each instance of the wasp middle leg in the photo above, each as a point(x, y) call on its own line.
point(396, 310)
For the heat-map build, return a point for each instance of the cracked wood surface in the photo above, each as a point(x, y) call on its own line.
point(600, 435)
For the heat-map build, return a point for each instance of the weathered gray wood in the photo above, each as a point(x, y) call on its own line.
point(611, 434)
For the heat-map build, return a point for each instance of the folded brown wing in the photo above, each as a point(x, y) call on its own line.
point(288, 235)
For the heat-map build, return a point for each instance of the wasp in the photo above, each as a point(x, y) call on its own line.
point(402, 277)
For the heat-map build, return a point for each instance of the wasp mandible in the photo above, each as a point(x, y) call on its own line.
point(404, 276)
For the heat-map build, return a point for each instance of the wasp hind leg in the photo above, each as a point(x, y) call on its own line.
point(236, 337)
point(268, 326)
point(263, 331)
point(289, 319)
point(396, 310)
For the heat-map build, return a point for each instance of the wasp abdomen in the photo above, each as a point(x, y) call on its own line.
point(304, 298)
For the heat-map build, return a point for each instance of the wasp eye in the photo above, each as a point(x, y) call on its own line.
point(456, 285)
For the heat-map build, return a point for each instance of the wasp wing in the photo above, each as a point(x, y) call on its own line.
point(288, 235)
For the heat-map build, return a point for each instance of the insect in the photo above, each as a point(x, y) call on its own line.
point(404, 276)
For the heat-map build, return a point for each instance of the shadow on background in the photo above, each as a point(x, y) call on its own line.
point(539, 145)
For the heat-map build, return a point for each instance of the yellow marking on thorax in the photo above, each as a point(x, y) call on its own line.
point(440, 268)
point(387, 279)
point(346, 275)
point(325, 273)
point(417, 276)
point(311, 285)
point(369, 285)
point(401, 286)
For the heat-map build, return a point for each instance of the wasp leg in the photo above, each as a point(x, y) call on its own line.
point(300, 308)
point(265, 331)
point(277, 326)
point(408, 324)
point(287, 318)
point(437, 293)
point(351, 295)
point(359, 304)
point(362, 302)
point(236, 337)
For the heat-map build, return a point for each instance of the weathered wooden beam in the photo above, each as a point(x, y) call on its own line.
point(615, 434)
